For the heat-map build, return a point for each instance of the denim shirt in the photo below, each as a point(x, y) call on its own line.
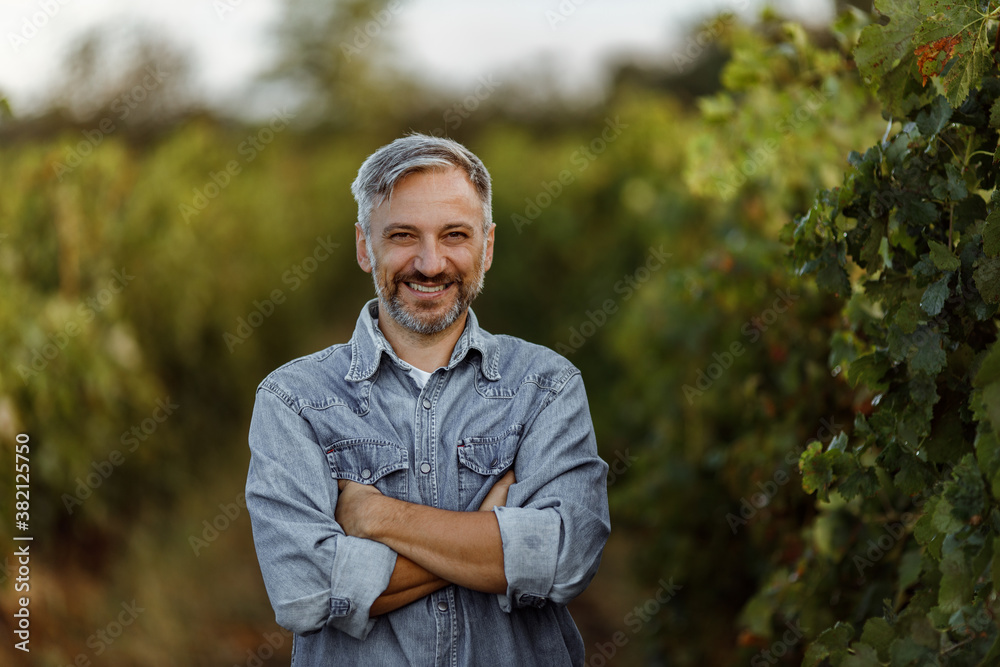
point(353, 412)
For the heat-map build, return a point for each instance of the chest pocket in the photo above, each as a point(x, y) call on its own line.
point(482, 460)
point(377, 462)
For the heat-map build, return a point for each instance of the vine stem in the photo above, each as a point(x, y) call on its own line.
point(951, 223)
point(955, 646)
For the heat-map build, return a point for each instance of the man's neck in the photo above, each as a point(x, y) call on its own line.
point(428, 352)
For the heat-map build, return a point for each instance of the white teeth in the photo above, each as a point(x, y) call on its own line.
point(421, 288)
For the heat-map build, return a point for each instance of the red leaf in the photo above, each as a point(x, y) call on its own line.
point(928, 55)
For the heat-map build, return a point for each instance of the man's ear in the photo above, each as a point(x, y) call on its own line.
point(362, 247)
point(488, 260)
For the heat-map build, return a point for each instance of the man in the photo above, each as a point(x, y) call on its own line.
point(370, 459)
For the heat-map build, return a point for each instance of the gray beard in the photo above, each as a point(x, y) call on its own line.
point(394, 307)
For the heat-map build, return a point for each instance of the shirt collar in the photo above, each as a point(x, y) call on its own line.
point(368, 345)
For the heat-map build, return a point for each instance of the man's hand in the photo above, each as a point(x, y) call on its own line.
point(355, 507)
point(498, 494)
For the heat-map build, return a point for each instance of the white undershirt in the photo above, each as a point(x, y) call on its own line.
point(419, 376)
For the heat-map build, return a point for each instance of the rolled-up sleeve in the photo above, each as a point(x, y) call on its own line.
point(555, 522)
point(315, 575)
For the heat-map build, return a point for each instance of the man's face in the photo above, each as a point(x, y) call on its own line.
point(428, 253)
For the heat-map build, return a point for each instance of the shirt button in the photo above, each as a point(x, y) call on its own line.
point(442, 606)
point(366, 473)
point(425, 468)
point(427, 404)
point(494, 462)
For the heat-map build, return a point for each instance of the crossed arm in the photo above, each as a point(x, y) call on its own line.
point(434, 547)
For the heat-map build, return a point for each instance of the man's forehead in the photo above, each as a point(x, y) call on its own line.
point(426, 177)
point(434, 195)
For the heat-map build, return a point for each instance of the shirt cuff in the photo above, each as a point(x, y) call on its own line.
point(354, 589)
point(530, 539)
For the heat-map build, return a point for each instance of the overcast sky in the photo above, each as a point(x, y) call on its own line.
point(450, 41)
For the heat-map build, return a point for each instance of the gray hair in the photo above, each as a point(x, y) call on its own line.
point(414, 153)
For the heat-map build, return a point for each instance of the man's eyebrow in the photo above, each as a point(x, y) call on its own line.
point(398, 227)
point(394, 227)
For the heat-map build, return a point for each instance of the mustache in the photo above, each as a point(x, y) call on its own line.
point(439, 279)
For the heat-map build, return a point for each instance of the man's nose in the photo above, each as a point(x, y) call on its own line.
point(430, 260)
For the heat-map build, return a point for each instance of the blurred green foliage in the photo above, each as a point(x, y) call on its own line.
point(641, 237)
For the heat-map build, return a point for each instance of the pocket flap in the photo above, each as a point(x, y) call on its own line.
point(365, 461)
point(489, 455)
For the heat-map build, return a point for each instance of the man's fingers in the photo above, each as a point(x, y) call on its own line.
point(362, 489)
point(497, 494)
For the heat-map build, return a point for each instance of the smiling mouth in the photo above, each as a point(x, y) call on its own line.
point(428, 289)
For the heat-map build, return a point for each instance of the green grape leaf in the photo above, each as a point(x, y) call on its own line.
point(953, 43)
point(863, 482)
point(944, 519)
point(950, 186)
point(968, 211)
point(912, 477)
point(989, 369)
point(934, 296)
point(988, 457)
point(924, 530)
point(991, 399)
point(862, 655)
point(956, 582)
point(995, 113)
point(935, 117)
point(832, 644)
point(929, 358)
point(885, 52)
point(906, 651)
point(831, 275)
point(991, 232)
point(987, 277)
point(942, 257)
point(879, 635)
point(869, 371)
point(965, 492)
point(871, 257)
point(910, 566)
point(946, 442)
point(817, 470)
point(907, 317)
point(918, 212)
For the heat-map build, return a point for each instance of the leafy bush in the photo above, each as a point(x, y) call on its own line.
point(910, 243)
